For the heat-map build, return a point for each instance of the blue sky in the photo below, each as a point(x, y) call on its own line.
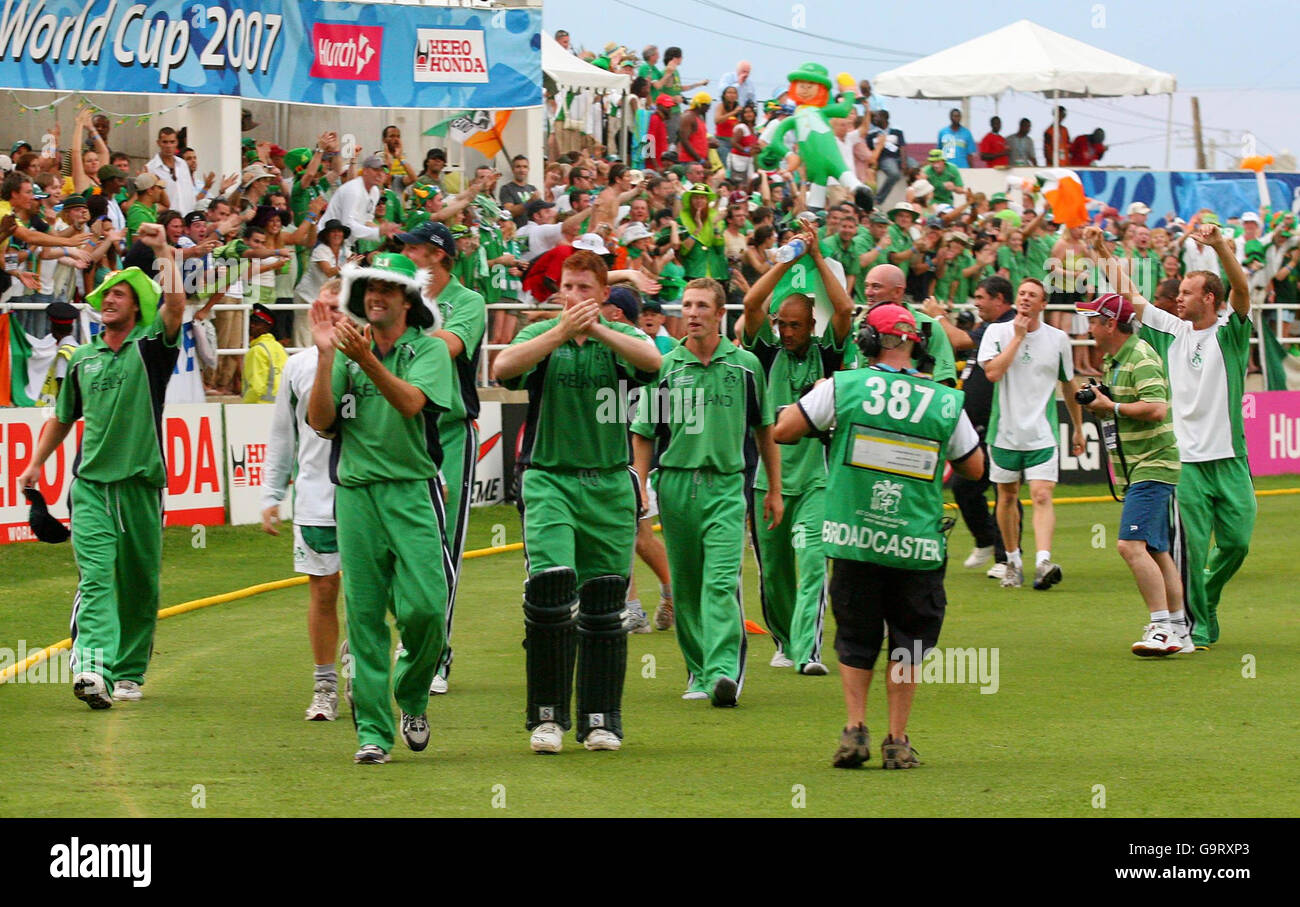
point(1240, 59)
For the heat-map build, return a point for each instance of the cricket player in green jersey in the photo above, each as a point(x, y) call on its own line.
point(1206, 357)
point(578, 506)
point(380, 401)
point(792, 566)
point(117, 383)
point(464, 320)
point(885, 529)
point(709, 397)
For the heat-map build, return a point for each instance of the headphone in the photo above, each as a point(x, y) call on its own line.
point(868, 341)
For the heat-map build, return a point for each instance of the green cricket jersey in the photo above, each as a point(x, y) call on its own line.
point(950, 174)
point(803, 465)
point(576, 400)
point(120, 395)
point(700, 414)
point(1135, 374)
point(464, 314)
point(373, 441)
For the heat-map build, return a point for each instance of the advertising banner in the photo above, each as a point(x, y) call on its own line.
point(248, 428)
point(300, 51)
point(193, 441)
point(1272, 423)
point(489, 483)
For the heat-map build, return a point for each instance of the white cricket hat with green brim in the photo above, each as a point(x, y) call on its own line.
point(394, 268)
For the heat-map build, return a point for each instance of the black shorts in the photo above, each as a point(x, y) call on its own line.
point(869, 600)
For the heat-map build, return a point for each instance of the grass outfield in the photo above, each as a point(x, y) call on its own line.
point(1182, 736)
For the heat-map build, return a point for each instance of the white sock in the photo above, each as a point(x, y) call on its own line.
point(1178, 620)
point(666, 590)
point(1160, 617)
point(326, 672)
point(634, 605)
point(1043, 556)
point(1013, 558)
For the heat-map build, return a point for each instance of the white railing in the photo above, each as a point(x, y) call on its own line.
point(672, 309)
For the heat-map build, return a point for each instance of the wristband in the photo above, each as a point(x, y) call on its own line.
point(1117, 410)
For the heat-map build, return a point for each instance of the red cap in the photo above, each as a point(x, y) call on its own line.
point(277, 151)
point(891, 318)
point(1112, 305)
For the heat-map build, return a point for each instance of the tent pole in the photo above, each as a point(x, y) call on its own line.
point(1169, 131)
point(1056, 129)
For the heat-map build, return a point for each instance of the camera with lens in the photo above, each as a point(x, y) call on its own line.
point(1088, 393)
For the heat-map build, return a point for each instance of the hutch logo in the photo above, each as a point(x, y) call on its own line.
point(346, 51)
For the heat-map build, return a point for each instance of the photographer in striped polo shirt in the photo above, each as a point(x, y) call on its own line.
point(1137, 423)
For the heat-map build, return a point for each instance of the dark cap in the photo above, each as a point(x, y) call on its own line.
point(109, 172)
point(627, 302)
point(74, 201)
point(431, 233)
point(45, 527)
point(536, 205)
point(263, 314)
point(194, 217)
point(61, 312)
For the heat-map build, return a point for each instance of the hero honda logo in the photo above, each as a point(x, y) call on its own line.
point(450, 55)
point(343, 51)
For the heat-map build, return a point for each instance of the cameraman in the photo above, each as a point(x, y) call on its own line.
point(1145, 455)
point(885, 528)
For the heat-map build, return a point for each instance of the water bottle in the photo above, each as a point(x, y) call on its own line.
point(791, 250)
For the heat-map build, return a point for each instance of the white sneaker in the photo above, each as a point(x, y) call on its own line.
point(695, 694)
point(127, 691)
point(978, 557)
point(547, 738)
point(814, 669)
point(324, 702)
point(90, 688)
point(779, 660)
point(1187, 647)
point(370, 754)
point(601, 739)
point(1157, 640)
point(438, 686)
point(415, 731)
point(636, 621)
point(997, 571)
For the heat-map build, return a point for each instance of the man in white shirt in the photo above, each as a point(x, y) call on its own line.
point(353, 205)
point(173, 172)
point(1206, 356)
point(296, 452)
point(744, 86)
point(542, 234)
point(1025, 359)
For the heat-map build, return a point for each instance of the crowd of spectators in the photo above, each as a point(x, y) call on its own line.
point(661, 181)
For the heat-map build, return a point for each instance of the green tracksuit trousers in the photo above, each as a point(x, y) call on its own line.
point(703, 515)
point(459, 440)
point(117, 541)
point(793, 570)
point(584, 519)
point(1215, 497)
point(394, 559)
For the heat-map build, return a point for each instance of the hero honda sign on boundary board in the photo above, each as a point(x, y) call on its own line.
point(301, 51)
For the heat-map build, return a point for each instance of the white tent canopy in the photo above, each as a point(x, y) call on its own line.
point(1022, 56)
point(570, 71)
